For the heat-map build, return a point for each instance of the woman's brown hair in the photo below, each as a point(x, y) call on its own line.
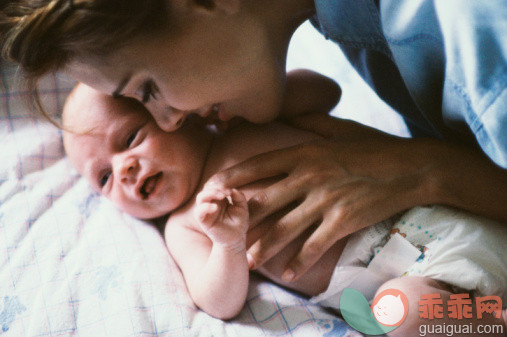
point(43, 36)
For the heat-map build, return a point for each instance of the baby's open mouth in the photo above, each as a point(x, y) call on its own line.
point(149, 185)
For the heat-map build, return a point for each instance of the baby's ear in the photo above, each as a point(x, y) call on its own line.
point(225, 6)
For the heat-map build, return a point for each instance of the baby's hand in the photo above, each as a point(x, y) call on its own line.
point(223, 216)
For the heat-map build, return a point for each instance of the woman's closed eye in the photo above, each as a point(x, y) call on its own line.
point(148, 91)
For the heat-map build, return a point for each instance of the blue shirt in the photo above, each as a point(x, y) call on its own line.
point(440, 64)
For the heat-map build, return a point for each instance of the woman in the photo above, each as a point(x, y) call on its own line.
point(222, 59)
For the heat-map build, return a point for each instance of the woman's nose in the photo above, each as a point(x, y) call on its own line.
point(168, 118)
point(127, 169)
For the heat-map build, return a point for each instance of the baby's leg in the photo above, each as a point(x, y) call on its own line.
point(415, 286)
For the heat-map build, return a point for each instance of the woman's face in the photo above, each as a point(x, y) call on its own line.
point(213, 63)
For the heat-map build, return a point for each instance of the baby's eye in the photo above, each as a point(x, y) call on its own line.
point(149, 90)
point(104, 179)
point(131, 138)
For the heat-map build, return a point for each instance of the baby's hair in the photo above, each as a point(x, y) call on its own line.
point(44, 36)
point(71, 106)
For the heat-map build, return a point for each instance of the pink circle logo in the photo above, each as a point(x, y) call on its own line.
point(390, 307)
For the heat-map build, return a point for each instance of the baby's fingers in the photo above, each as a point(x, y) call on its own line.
point(238, 205)
point(210, 194)
point(207, 213)
point(238, 199)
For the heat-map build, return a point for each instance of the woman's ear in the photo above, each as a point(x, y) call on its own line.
point(225, 6)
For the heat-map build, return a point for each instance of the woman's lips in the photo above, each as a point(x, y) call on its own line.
point(215, 117)
point(149, 186)
point(216, 113)
point(221, 113)
point(212, 115)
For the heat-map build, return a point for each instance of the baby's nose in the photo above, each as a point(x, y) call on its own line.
point(127, 171)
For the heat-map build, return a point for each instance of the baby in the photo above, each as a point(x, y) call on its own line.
point(116, 145)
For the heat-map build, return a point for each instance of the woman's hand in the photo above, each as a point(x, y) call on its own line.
point(342, 185)
point(339, 187)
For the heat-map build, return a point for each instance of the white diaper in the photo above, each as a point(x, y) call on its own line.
point(365, 263)
point(455, 247)
point(461, 249)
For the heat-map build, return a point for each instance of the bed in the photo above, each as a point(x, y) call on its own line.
point(73, 265)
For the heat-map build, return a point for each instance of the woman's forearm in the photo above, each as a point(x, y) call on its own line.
point(463, 178)
point(436, 171)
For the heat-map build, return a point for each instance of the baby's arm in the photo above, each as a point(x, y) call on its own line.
point(214, 264)
point(309, 92)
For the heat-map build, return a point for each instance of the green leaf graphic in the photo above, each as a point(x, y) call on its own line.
point(357, 313)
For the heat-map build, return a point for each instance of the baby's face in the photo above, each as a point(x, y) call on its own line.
point(120, 150)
